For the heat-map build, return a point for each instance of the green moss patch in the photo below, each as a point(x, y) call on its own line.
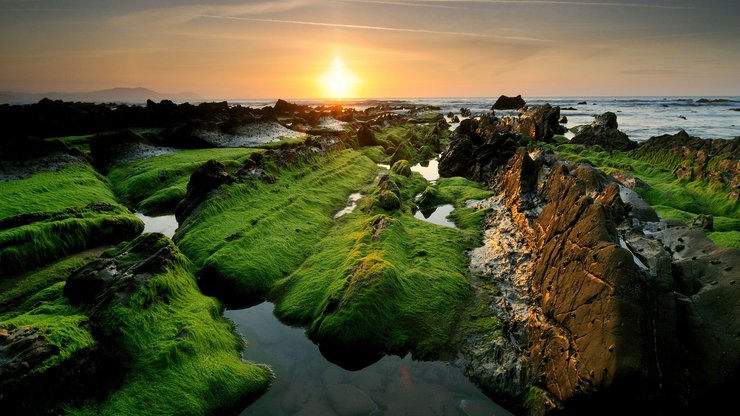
point(250, 234)
point(15, 290)
point(157, 184)
point(61, 324)
point(383, 280)
point(380, 284)
point(51, 215)
point(181, 356)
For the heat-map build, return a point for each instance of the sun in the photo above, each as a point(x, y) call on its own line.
point(338, 81)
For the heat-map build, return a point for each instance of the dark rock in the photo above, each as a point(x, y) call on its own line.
point(28, 148)
point(474, 156)
point(21, 349)
point(582, 103)
point(114, 280)
point(207, 177)
point(365, 136)
point(540, 122)
point(456, 158)
point(465, 112)
point(31, 385)
point(509, 103)
point(607, 120)
point(107, 148)
point(283, 107)
point(705, 222)
point(603, 132)
point(563, 120)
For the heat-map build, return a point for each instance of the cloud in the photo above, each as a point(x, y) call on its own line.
point(650, 71)
point(183, 14)
point(379, 28)
point(460, 3)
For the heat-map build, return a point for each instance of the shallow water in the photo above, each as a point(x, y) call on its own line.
point(165, 224)
point(307, 384)
point(351, 205)
point(430, 172)
point(437, 215)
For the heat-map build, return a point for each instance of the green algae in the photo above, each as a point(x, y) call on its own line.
point(55, 214)
point(383, 280)
point(406, 141)
point(16, 290)
point(251, 234)
point(157, 184)
point(61, 324)
point(380, 283)
point(181, 356)
point(70, 186)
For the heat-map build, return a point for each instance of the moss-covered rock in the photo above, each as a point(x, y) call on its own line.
point(402, 168)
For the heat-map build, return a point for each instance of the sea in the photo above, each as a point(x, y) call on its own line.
point(639, 117)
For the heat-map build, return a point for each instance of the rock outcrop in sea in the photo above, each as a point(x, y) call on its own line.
point(508, 103)
point(603, 132)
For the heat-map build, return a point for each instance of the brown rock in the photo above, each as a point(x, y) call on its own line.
point(509, 103)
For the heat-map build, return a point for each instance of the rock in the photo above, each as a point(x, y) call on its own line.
point(388, 200)
point(479, 162)
point(540, 122)
point(582, 103)
point(283, 107)
point(693, 158)
point(402, 168)
point(615, 308)
point(465, 112)
point(563, 120)
point(705, 222)
point(20, 350)
point(509, 103)
point(630, 181)
point(365, 136)
point(348, 400)
point(607, 120)
point(108, 280)
point(603, 132)
point(207, 177)
point(455, 159)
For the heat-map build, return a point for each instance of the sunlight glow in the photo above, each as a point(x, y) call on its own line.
point(338, 81)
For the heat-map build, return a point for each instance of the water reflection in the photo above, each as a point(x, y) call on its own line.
point(429, 169)
point(351, 205)
point(437, 215)
point(165, 224)
point(307, 384)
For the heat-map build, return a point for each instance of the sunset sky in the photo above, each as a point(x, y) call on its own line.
point(386, 48)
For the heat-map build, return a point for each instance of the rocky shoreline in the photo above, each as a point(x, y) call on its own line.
point(574, 296)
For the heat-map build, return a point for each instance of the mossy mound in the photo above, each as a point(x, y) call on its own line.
point(247, 235)
point(157, 184)
point(143, 341)
point(54, 214)
point(384, 281)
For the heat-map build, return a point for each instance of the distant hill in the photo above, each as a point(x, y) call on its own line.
point(118, 95)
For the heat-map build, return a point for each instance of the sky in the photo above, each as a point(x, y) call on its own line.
point(378, 48)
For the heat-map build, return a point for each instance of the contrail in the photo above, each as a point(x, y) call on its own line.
point(540, 2)
point(381, 28)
